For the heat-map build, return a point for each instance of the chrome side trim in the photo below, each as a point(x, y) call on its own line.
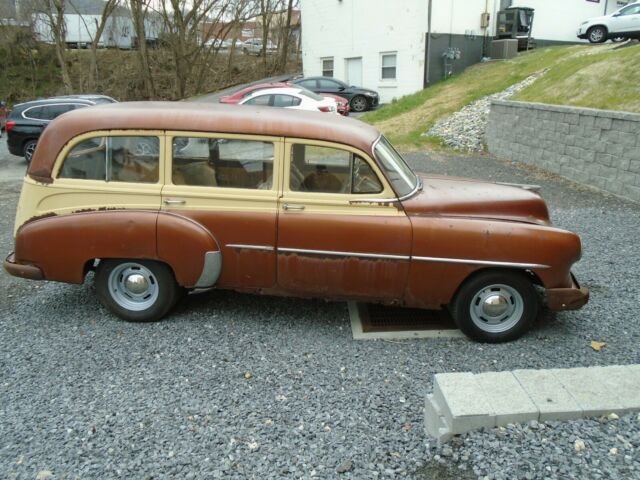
point(531, 188)
point(374, 200)
point(210, 271)
point(490, 263)
point(264, 248)
point(344, 254)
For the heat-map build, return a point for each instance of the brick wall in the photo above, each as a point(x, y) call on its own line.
point(600, 148)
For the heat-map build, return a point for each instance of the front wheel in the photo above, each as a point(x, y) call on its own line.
point(496, 306)
point(359, 104)
point(136, 290)
point(597, 34)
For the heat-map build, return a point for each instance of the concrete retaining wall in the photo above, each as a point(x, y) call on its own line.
point(599, 148)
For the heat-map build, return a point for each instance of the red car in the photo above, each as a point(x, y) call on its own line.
point(343, 103)
point(3, 116)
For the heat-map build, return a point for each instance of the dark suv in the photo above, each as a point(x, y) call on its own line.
point(27, 120)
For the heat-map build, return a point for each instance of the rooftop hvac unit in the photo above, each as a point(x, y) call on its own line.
point(503, 49)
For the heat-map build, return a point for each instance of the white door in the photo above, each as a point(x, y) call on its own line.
point(354, 71)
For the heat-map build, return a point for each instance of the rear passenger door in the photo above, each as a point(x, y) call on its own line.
point(229, 184)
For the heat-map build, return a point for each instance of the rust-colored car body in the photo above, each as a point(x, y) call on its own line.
point(414, 250)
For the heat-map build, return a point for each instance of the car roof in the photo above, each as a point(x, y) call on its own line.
point(198, 117)
point(318, 78)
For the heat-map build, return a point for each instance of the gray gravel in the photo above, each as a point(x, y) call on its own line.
point(465, 129)
point(240, 386)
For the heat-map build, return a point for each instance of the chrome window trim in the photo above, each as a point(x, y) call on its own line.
point(50, 105)
point(418, 186)
point(335, 253)
point(491, 263)
point(264, 248)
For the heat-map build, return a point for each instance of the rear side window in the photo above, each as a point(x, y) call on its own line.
point(219, 162)
point(286, 101)
point(114, 159)
point(262, 100)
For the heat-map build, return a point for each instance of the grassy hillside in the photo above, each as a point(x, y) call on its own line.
point(591, 76)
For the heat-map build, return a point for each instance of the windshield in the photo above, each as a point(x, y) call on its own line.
point(402, 178)
point(310, 94)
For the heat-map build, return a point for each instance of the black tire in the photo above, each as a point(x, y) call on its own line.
point(359, 103)
point(597, 34)
point(619, 39)
point(496, 306)
point(116, 290)
point(28, 149)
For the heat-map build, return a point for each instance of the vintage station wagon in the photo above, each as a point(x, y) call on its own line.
point(162, 198)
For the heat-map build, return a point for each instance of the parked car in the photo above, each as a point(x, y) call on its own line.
point(360, 99)
point(218, 43)
point(623, 23)
point(291, 98)
point(3, 116)
point(27, 120)
point(253, 46)
point(342, 103)
point(279, 202)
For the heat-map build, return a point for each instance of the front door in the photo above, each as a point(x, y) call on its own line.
point(354, 71)
point(337, 237)
point(229, 184)
point(628, 20)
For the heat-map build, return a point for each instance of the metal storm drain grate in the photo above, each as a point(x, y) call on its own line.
point(378, 321)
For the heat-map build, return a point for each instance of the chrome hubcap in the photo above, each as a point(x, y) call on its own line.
point(359, 104)
point(496, 308)
point(133, 286)
point(597, 35)
point(136, 283)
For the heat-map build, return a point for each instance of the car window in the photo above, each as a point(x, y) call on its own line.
point(307, 84)
point(286, 101)
point(54, 111)
point(330, 170)
point(117, 159)
point(261, 100)
point(312, 95)
point(37, 113)
point(631, 10)
point(219, 162)
point(323, 83)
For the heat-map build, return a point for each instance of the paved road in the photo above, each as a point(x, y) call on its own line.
point(241, 386)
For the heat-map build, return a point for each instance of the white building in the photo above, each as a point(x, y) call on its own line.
point(383, 45)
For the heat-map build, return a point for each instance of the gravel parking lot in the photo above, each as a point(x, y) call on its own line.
point(240, 386)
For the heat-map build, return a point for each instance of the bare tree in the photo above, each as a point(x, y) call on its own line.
point(53, 14)
point(286, 36)
point(267, 8)
point(183, 21)
point(107, 10)
point(139, 10)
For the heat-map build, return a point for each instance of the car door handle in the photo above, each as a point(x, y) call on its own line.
point(173, 201)
point(290, 206)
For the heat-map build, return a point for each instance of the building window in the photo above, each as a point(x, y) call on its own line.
point(327, 67)
point(388, 62)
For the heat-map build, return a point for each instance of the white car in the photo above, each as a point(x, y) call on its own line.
point(253, 46)
point(294, 98)
point(623, 23)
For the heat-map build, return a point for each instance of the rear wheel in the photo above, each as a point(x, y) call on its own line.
point(28, 150)
point(359, 104)
point(597, 34)
point(496, 306)
point(136, 290)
